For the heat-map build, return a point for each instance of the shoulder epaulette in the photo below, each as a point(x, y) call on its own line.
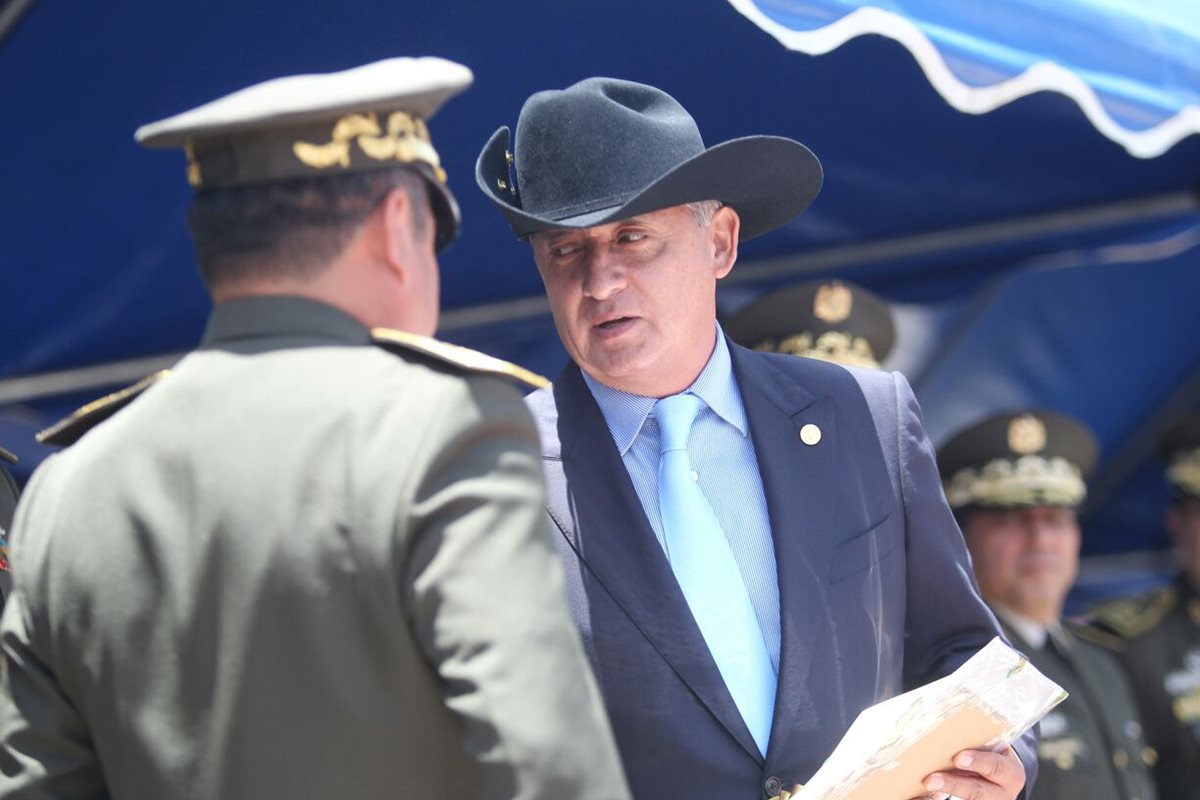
point(456, 355)
point(1130, 617)
point(1084, 628)
point(8, 455)
point(69, 430)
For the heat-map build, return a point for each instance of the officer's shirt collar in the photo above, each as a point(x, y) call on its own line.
point(1033, 632)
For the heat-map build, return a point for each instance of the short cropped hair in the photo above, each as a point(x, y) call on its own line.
point(703, 210)
point(291, 229)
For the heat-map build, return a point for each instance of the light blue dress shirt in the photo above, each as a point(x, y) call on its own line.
point(722, 454)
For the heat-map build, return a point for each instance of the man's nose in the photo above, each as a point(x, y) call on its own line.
point(605, 274)
point(1040, 533)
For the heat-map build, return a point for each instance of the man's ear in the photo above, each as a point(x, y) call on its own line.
point(394, 219)
point(725, 228)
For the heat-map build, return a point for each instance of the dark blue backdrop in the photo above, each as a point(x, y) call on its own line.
point(1033, 260)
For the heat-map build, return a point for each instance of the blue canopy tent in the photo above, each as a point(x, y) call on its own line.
point(1040, 249)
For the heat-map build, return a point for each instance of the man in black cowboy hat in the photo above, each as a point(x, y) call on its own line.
point(757, 545)
point(1157, 635)
point(1014, 480)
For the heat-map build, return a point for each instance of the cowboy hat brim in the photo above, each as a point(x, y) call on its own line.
point(768, 180)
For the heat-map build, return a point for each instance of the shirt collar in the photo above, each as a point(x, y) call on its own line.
point(1032, 631)
point(625, 414)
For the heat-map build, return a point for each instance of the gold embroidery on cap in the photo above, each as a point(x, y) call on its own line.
point(1026, 435)
point(323, 156)
point(193, 168)
point(833, 302)
point(406, 140)
point(835, 346)
point(1030, 480)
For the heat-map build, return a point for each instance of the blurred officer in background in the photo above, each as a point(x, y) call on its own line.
point(1014, 481)
point(828, 320)
point(1157, 635)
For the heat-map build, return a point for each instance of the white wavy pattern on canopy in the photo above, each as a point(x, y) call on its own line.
point(1040, 76)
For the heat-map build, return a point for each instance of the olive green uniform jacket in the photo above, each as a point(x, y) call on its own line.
point(1092, 746)
point(1157, 638)
point(297, 566)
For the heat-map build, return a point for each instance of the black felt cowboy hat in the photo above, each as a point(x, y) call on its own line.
point(606, 149)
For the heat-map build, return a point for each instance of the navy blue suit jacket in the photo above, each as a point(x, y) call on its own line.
point(876, 589)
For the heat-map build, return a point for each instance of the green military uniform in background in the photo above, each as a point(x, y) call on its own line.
point(338, 629)
point(1014, 480)
point(1157, 638)
point(1157, 635)
point(1091, 746)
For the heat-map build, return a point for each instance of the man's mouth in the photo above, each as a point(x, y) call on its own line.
point(615, 322)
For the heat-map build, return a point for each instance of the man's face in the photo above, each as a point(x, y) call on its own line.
point(1183, 523)
point(1025, 558)
point(634, 301)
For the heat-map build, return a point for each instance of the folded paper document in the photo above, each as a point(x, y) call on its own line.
point(890, 749)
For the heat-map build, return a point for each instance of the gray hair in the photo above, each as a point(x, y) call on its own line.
point(703, 211)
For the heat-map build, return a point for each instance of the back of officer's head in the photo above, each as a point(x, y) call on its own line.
point(291, 230)
point(288, 172)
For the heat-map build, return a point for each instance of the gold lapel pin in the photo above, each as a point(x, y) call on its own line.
point(810, 434)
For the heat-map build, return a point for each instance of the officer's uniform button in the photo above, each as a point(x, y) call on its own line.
point(1120, 759)
point(772, 786)
point(1149, 756)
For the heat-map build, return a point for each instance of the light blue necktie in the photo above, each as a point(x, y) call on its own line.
point(708, 573)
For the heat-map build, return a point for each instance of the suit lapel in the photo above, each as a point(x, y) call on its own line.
point(592, 501)
point(800, 484)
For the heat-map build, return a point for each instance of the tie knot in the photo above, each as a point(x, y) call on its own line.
point(674, 416)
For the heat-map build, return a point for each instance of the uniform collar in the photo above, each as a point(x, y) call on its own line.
point(1033, 632)
point(294, 320)
point(625, 413)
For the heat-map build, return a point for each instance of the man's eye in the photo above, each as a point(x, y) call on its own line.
point(631, 236)
point(563, 250)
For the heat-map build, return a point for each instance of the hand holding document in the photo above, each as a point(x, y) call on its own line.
point(889, 750)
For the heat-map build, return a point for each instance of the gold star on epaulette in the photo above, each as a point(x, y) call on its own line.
point(1130, 617)
point(462, 357)
point(68, 431)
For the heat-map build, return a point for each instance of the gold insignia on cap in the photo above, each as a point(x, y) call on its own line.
point(193, 168)
point(406, 140)
point(834, 346)
point(833, 302)
point(1029, 480)
point(1026, 435)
